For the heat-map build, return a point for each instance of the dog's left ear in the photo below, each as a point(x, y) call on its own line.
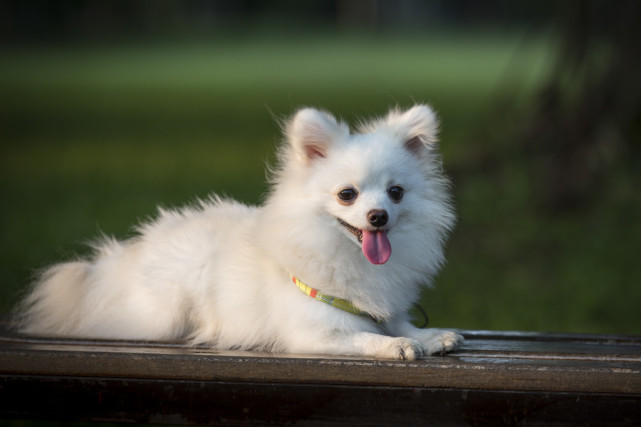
point(418, 127)
point(311, 133)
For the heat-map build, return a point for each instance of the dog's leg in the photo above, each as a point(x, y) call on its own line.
point(365, 344)
point(385, 347)
point(433, 341)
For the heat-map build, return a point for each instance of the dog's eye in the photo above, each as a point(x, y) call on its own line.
point(395, 193)
point(347, 195)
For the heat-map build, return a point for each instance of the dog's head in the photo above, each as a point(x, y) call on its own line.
point(370, 185)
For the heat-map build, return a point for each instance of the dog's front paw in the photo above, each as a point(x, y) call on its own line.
point(401, 349)
point(439, 341)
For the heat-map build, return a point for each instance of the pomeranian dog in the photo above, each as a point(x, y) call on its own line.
point(330, 263)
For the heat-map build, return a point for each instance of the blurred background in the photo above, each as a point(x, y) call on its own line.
point(109, 108)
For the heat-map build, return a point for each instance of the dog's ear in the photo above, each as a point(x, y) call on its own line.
point(418, 128)
point(312, 132)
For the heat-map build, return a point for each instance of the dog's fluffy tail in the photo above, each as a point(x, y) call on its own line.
point(54, 304)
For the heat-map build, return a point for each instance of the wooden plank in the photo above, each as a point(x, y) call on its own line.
point(508, 361)
point(495, 377)
point(213, 402)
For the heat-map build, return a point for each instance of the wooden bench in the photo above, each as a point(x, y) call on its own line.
point(497, 378)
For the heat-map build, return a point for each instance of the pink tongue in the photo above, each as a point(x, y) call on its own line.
point(376, 246)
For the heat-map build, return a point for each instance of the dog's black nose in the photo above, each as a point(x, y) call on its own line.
point(377, 217)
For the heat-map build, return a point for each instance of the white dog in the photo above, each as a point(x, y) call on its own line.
point(355, 220)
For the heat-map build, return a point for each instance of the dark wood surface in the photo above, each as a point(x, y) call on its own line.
point(495, 378)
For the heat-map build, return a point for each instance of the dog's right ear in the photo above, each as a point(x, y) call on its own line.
point(312, 132)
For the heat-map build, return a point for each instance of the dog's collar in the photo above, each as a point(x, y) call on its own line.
point(328, 299)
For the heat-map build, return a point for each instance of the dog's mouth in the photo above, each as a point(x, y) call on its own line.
point(374, 243)
point(355, 231)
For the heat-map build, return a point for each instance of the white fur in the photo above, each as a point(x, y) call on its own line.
point(219, 273)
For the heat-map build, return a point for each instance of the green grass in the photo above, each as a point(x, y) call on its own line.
point(95, 137)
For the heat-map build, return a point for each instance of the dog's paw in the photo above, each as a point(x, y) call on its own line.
point(401, 349)
point(439, 341)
